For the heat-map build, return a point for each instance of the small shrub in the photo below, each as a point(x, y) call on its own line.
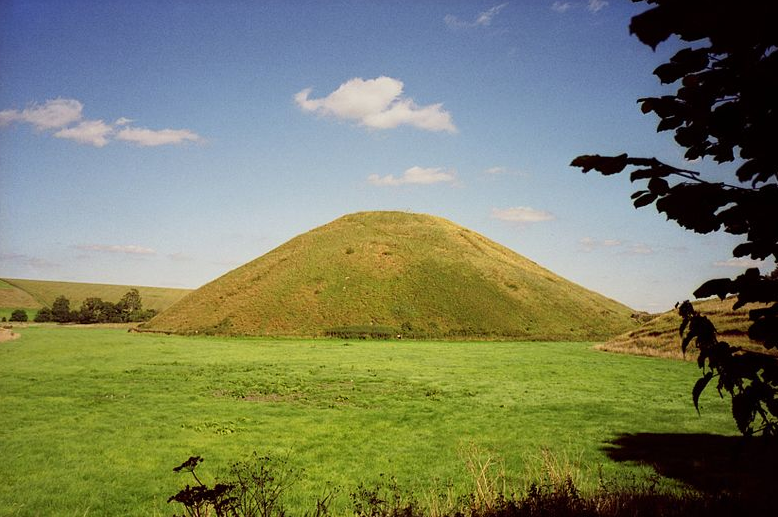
point(19, 315)
point(383, 501)
point(254, 488)
point(198, 500)
point(259, 484)
point(362, 332)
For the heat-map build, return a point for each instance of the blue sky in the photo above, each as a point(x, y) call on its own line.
point(166, 143)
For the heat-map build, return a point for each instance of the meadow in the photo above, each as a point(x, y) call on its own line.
point(95, 419)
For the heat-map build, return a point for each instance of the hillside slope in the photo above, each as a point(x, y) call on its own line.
point(660, 337)
point(418, 274)
point(42, 293)
point(12, 297)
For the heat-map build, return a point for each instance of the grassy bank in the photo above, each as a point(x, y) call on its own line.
point(95, 419)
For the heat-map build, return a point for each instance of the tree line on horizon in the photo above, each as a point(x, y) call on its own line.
point(96, 310)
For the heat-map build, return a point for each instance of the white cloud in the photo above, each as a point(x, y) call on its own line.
point(51, 114)
point(151, 138)
point(415, 176)
point(740, 262)
point(639, 249)
point(596, 5)
point(500, 170)
point(179, 257)
point(483, 19)
point(93, 132)
point(64, 117)
point(588, 244)
point(521, 214)
point(26, 260)
point(130, 249)
point(378, 104)
point(561, 7)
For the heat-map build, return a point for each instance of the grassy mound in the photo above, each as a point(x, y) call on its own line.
point(35, 294)
point(415, 275)
point(659, 336)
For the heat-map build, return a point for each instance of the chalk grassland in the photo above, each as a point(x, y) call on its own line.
point(660, 337)
point(12, 298)
point(94, 420)
point(35, 294)
point(419, 274)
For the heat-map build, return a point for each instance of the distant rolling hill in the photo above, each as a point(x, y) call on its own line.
point(413, 274)
point(660, 337)
point(35, 294)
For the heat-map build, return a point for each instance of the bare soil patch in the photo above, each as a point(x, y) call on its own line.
point(7, 334)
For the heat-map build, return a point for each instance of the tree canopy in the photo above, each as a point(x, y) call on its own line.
point(96, 310)
point(724, 109)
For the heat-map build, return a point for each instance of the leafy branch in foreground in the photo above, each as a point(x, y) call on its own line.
point(725, 108)
point(750, 378)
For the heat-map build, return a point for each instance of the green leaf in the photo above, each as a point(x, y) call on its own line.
point(720, 287)
point(645, 199)
point(699, 387)
point(606, 165)
point(658, 186)
point(743, 412)
point(651, 27)
point(656, 170)
point(669, 123)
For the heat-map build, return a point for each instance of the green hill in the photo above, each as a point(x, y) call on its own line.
point(12, 298)
point(659, 336)
point(35, 294)
point(409, 274)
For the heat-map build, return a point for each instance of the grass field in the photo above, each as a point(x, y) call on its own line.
point(94, 420)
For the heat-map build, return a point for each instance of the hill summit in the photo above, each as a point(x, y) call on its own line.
point(395, 272)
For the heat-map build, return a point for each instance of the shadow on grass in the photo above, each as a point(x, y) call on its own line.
point(710, 463)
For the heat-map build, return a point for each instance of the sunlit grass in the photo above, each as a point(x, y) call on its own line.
point(95, 419)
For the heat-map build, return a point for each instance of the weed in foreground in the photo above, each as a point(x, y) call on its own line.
point(256, 488)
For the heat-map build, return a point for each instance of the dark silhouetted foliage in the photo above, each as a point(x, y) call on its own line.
point(19, 315)
point(725, 108)
point(363, 332)
point(60, 310)
point(258, 486)
point(95, 310)
point(44, 315)
point(199, 500)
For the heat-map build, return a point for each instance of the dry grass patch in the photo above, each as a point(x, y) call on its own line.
point(659, 337)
